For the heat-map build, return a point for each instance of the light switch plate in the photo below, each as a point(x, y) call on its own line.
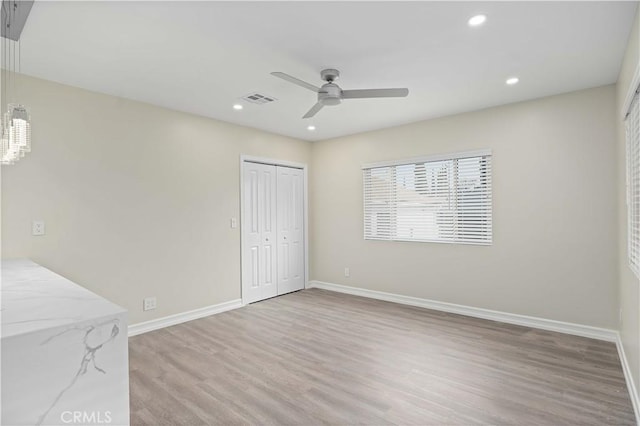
point(37, 227)
point(234, 222)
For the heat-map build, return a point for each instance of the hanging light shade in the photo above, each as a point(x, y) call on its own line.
point(16, 133)
point(19, 128)
point(15, 123)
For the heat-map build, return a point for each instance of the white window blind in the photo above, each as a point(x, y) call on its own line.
point(632, 125)
point(440, 199)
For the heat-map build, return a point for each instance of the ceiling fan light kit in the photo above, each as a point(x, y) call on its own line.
point(330, 93)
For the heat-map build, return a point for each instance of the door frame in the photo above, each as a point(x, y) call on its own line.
point(305, 187)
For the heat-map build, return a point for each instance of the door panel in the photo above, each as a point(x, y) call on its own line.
point(284, 257)
point(268, 274)
point(267, 202)
point(258, 231)
point(297, 271)
point(254, 267)
point(290, 211)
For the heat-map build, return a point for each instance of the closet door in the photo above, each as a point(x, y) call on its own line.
point(259, 232)
point(290, 226)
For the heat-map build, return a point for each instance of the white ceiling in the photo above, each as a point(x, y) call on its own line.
point(200, 57)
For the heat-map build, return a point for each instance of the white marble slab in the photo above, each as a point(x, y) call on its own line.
point(64, 351)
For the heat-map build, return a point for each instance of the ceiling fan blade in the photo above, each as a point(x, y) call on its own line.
point(314, 109)
point(297, 81)
point(374, 93)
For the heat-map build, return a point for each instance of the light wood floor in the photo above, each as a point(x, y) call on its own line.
point(318, 357)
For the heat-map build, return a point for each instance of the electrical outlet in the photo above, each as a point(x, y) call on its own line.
point(149, 303)
point(234, 223)
point(37, 227)
point(347, 272)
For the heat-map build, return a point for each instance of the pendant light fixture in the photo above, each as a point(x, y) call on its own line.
point(15, 127)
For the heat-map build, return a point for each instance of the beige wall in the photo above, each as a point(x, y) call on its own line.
point(629, 294)
point(137, 199)
point(554, 211)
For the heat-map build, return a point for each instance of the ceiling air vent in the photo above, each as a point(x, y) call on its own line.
point(258, 98)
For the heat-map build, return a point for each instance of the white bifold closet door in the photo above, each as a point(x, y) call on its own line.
point(259, 232)
point(290, 230)
point(272, 231)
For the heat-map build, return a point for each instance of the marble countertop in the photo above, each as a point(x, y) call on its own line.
point(35, 298)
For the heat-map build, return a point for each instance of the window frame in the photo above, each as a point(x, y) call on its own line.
point(632, 148)
point(430, 159)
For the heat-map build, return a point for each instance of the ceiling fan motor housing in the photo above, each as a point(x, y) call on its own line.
point(330, 94)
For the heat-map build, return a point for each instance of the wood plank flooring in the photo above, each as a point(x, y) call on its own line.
point(317, 357)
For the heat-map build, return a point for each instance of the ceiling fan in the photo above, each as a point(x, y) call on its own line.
point(331, 94)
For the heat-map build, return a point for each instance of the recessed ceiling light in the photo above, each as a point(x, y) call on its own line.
point(311, 128)
point(512, 80)
point(237, 107)
point(477, 20)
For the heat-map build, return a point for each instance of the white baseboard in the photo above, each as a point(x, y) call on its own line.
point(527, 321)
point(144, 327)
point(631, 386)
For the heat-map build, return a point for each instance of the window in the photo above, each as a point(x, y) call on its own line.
point(443, 199)
point(632, 125)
